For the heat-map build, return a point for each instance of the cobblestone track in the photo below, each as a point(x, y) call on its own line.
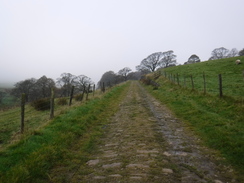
point(145, 143)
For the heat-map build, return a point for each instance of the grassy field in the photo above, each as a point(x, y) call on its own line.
point(36, 152)
point(34, 119)
point(217, 121)
point(232, 76)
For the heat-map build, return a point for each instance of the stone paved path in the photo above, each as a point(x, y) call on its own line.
point(145, 143)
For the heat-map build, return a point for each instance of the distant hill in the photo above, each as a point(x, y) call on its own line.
point(6, 85)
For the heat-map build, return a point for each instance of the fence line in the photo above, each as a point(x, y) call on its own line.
point(219, 89)
point(217, 86)
point(22, 124)
point(19, 117)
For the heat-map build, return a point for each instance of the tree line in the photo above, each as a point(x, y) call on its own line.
point(41, 88)
point(110, 78)
point(159, 60)
point(168, 59)
point(35, 89)
point(219, 53)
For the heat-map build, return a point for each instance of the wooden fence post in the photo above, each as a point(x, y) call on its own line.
point(83, 92)
point(52, 104)
point(220, 86)
point(71, 95)
point(178, 81)
point(87, 92)
point(94, 86)
point(204, 83)
point(22, 121)
point(192, 83)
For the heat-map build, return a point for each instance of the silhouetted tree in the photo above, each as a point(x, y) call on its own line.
point(108, 78)
point(43, 86)
point(134, 75)
point(222, 52)
point(66, 81)
point(143, 70)
point(28, 87)
point(34, 89)
point(233, 53)
point(168, 59)
point(151, 63)
point(83, 81)
point(124, 72)
point(193, 59)
point(241, 53)
point(219, 53)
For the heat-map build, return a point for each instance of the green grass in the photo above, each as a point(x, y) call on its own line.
point(10, 119)
point(232, 76)
point(219, 122)
point(31, 159)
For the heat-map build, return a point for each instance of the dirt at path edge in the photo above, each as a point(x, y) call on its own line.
point(145, 143)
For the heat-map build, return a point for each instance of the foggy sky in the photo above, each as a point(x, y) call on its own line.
point(81, 37)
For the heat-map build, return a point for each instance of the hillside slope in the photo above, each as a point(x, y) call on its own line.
point(128, 136)
point(232, 76)
point(217, 120)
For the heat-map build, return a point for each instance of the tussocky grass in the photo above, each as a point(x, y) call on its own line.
point(34, 119)
point(217, 121)
point(232, 76)
point(31, 159)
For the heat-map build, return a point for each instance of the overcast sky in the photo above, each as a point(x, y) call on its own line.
point(90, 37)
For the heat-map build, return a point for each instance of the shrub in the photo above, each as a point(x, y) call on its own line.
point(79, 97)
point(62, 101)
point(41, 104)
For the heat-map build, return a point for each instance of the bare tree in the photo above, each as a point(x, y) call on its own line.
point(124, 72)
point(241, 53)
point(168, 59)
point(28, 87)
point(33, 88)
point(151, 63)
point(219, 53)
point(66, 81)
point(44, 85)
point(82, 82)
point(143, 70)
point(109, 78)
point(233, 53)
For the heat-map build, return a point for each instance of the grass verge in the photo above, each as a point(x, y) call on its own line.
point(218, 121)
point(34, 119)
point(31, 159)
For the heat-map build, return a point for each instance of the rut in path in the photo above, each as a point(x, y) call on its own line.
point(145, 143)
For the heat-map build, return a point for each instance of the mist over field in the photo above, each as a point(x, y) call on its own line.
point(92, 37)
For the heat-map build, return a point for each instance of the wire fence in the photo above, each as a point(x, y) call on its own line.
point(26, 118)
point(219, 85)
